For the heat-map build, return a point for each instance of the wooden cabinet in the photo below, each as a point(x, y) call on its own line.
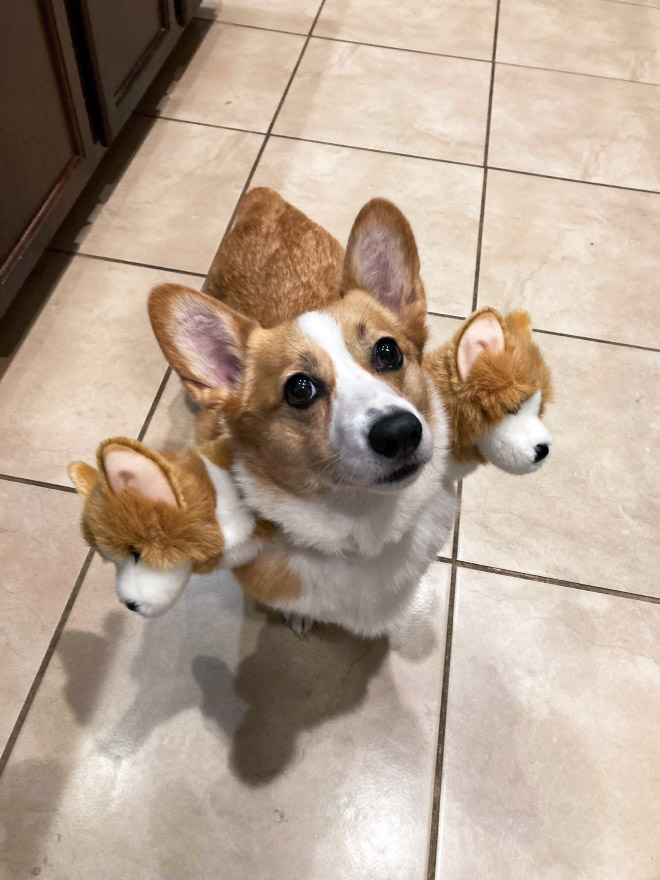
point(125, 43)
point(47, 150)
point(71, 73)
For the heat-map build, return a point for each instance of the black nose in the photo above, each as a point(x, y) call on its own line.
point(132, 606)
point(396, 434)
point(541, 451)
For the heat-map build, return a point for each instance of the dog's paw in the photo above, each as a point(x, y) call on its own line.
point(299, 623)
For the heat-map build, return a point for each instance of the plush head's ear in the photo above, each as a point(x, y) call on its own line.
point(202, 339)
point(83, 476)
point(520, 322)
point(481, 332)
point(381, 258)
point(128, 467)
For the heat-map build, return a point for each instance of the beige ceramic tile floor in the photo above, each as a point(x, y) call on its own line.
point(524, 740)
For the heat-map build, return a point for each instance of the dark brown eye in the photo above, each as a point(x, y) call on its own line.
point(135, 553)
point(387, 354)
point(299, 390)
point(513, 411)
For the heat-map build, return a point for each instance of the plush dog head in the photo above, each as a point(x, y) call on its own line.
point(151, 517)
point(495, 385)
point(332, 399)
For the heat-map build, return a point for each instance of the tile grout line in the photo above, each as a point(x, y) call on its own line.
point(629, 3)
point(484, 187)
point(154, 404)
point(41, 484)
point(290, 137)
point(432, 856)
point(370, 45)
point(43, 666)
point(634, 189)
point(269, 130)
point(556, 582)
point(197, 122)
point(563, 335)
point(552, 581)
point(57, 250)
point(444, 698)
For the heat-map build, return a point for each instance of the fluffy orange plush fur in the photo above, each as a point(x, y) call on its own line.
point(128, 521)
point(498, 383)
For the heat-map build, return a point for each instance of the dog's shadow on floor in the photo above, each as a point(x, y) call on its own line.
point(258, 683)
point(287, 685)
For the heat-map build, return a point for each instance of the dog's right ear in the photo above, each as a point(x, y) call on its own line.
point(203, 340)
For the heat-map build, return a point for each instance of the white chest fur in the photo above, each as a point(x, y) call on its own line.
point(235, 520)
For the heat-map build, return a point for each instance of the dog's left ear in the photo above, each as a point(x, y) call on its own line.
point(382, 259)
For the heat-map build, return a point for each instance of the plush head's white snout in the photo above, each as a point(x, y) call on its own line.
point(519, 443)
point(148, 590)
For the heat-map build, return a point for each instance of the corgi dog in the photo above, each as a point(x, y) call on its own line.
point(276, 263)
point(339, 438)
point(355, 494)
point(159, 517)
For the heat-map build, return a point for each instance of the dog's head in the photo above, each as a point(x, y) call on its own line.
point(149, 519)
point(331, 399)
point(498, 385)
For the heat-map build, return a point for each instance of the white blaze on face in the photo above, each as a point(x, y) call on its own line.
point(360, 400)
point(516, 444)
point(149, 591)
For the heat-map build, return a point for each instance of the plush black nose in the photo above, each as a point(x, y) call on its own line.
point(541, 451)
point(132, 606)
point(396, 434)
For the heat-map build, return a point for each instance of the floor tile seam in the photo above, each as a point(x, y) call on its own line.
point(120, 261)
point(39, 484)
point(600, 76)
point(619, 186)
point(561, 335)
point(45, 662)
point(484, 183)
point(350, 42)
point(428, 52)
point(444, 697)
point(557, 582)
point(236, 128)
point(269, 130)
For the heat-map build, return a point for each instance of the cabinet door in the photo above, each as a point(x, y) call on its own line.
point(46, 146)
point(185, 9)
point(126, 42)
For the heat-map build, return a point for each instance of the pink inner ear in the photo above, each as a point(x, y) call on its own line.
point(381, 269)
point(128, 469)
point(483, 334)
point(208, 346)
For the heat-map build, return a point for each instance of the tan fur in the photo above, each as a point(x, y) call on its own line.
point(290, 449)
point(275, 262)
point(117, 523)
point(498, 382)
point(267, 578)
